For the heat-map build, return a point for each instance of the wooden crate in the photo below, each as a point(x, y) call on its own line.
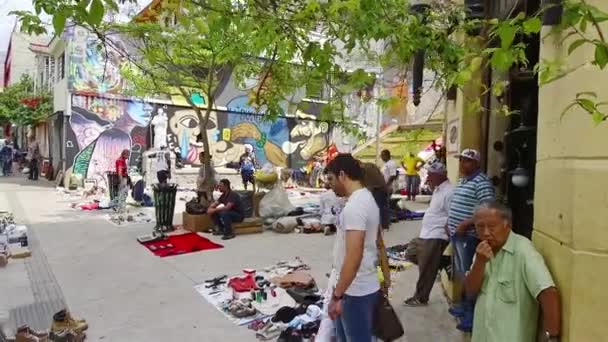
point(251, 225)
point(197, 223)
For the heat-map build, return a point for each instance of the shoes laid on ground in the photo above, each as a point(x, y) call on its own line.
point(67, 336)
point(228, 237)
point(63, 321)
point(413, 302)
point(25, 334)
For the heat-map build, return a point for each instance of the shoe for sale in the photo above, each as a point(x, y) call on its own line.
point(67, 336)
point(25, 334)
point(62, 321)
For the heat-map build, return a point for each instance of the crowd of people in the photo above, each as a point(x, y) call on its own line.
point(506, 282)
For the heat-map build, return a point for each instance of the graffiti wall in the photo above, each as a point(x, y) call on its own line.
point(99, 129)
point(105, 120)
point(286, 142)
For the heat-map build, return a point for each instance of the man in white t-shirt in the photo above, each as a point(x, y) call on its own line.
point(433, 236)
point(357, 290)
point(389, 170)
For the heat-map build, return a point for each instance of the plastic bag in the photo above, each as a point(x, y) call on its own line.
point(275, 203)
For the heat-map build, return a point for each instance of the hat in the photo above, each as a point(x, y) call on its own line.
point(437, 168)
point(469, 153)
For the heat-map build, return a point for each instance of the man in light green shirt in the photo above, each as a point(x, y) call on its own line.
point(511, 282)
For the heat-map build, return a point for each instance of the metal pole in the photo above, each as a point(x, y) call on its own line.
point(378, 114)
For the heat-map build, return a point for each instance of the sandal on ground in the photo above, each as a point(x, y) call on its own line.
point(414, 302)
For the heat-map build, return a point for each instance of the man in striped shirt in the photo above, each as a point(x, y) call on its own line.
point(474, 188)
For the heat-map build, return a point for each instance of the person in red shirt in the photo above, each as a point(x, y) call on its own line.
point(121, 164)
point(123, 177)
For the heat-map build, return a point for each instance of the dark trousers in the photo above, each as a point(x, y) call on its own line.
point(34, 169)
point(412, 184)
point(224, 219)
point(162, 176)
point(7, 167)
point(248, 177)
point(429, 256)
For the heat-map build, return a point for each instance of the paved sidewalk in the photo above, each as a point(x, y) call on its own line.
point(127, 294)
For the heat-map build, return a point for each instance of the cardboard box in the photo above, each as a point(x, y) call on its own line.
point(197, 223)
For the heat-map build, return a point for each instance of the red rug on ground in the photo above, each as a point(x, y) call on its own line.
point(180, 244)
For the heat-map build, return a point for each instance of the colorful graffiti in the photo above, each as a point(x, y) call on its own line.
point(95, 67)
point(95, 139)
point(285, 142)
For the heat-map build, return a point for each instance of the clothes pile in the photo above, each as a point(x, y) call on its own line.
point(281, 299)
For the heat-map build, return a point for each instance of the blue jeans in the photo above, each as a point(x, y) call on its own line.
point(464, 248)
point(224, 219)
point(357, 320)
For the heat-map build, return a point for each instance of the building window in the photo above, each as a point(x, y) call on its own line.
point(61, 67)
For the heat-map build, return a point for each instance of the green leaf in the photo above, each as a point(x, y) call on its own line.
point(575, 45)
point(583, 24)
point(601, 55)
point(532, 25)
point(598, 117)
point(586, 93)
point(502, 60)
point(59, 23)
point(476, 63)
point(96, 12)
point(587, 105)
point(507, 35)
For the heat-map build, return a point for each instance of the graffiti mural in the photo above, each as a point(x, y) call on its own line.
point(98, 136)
point(285, 142)
point(92, 71)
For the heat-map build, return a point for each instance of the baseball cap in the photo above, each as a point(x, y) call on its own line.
point(469, 153)
point(437, 168)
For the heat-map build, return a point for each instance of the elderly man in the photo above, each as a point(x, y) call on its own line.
point(474, 188)
point(433, 236)
point(510, 279)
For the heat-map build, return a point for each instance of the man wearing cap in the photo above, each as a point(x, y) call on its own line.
point(474, 187)
point(433, 236)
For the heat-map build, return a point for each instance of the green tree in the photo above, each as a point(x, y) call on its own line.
point(20, 105)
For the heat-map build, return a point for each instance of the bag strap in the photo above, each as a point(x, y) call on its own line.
point(383, 260)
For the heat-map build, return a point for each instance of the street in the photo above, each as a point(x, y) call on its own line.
point(127, 294)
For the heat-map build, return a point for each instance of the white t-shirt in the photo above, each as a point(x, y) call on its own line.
point(436, 216)
point(388, 170)
point(359, 213)
point(161, 161)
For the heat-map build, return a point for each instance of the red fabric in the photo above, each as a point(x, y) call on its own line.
point(243, 284)
point(90, 206)
point(121, 167)
point(182, 244)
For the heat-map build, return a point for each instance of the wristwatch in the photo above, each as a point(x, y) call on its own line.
point(549, 338)
point(336, 298)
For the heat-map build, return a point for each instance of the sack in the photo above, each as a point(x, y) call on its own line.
point(195, 208)
point(387, 326)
